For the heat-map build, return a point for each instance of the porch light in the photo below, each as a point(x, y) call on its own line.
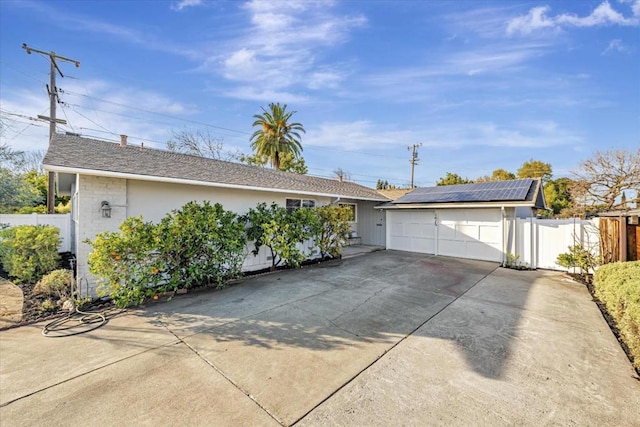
point(105, 207)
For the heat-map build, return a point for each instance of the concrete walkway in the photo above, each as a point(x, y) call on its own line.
point(386, 338)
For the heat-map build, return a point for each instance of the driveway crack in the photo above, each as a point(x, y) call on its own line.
point(229, 379)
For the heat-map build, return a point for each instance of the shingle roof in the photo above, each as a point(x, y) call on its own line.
point(75, 153)
point(520, 191)
point(396, 193)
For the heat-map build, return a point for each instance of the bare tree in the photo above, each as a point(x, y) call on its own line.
point(601, 180)
point(199, 143)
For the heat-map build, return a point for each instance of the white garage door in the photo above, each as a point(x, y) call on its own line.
point(470, 233)
point(412, 230)
point(462, 233)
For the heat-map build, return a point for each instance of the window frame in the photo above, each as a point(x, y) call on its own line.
point(355, 210)
point(301, 203)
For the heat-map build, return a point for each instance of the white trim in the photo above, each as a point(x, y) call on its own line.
point(457, 205)
point(65, 169)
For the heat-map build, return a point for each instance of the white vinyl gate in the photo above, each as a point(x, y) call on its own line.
point(478, 234)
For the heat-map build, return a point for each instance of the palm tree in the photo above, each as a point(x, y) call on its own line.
point(276, 135)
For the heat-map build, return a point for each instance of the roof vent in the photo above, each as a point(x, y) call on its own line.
point(123, 140)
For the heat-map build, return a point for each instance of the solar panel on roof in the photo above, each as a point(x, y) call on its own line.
point(515, 190)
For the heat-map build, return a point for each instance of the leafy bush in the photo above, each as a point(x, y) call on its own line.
point(125, 262)
point(617, 286)
point(333, 230)
point(55, 284)
point(581, 258)
point(29, 251)
point(196, 245)
point(200, 244)
point(285, 234)
point(281, 232)
point(48, 305)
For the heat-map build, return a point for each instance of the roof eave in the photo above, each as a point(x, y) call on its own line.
point(457, 205)
point(155, 178)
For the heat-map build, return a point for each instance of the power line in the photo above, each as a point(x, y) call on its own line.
point(156, 113)
point(197, 122)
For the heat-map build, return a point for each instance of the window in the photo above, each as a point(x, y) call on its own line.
point(352, 208)
point(293, 204)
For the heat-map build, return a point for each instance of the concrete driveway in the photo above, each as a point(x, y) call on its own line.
point(388, 338)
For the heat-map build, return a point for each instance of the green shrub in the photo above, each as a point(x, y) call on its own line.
point(196, 245)
point(333, 230)
point(617, 286)
point(48, 305)
point(29, 251)
point(125, 262)
point(280, 231)
point(581, 258)
point(55, 284)
point(200, 244)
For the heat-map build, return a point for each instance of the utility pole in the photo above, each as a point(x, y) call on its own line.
point(414, 158)
point(53, 99)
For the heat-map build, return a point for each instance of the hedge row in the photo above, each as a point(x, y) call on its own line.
point(205, 244)
point(27, 252)
point(617, 286)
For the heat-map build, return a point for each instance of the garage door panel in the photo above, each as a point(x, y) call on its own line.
point(482, 251)
point(467, 232)
point(490, 234)
point(471, 233)
point(412, 230)
point(423, 246)
point(451, 247)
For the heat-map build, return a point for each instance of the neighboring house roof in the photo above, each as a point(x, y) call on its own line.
point(520, 192)
point(395, 193)
point(75, 154)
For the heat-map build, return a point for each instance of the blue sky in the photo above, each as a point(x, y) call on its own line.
point(482, 85)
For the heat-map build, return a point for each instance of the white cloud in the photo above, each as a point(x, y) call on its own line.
point(280, 47)
point(615, 45)
point(635, 6)
point(516, 135)
point(602, 15)
point(252, 93)
point(357, 135)
point(365, 135)
point(534, 20)
point(186, 3)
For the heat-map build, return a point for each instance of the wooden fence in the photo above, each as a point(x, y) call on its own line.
point(619, 240)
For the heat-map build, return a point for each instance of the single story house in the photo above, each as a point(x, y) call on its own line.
point(467, 221)
point(128, 180)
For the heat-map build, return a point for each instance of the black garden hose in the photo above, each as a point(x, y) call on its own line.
point(77, 322)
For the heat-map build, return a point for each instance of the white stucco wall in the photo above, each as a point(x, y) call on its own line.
point(92, 190)
point(153, 200)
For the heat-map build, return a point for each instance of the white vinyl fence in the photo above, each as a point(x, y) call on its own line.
point(538, 242)
point(62, 221)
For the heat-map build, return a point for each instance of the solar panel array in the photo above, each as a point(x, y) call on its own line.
point(516, 190)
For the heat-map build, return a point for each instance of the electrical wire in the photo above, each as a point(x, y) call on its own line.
point(155, 113)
